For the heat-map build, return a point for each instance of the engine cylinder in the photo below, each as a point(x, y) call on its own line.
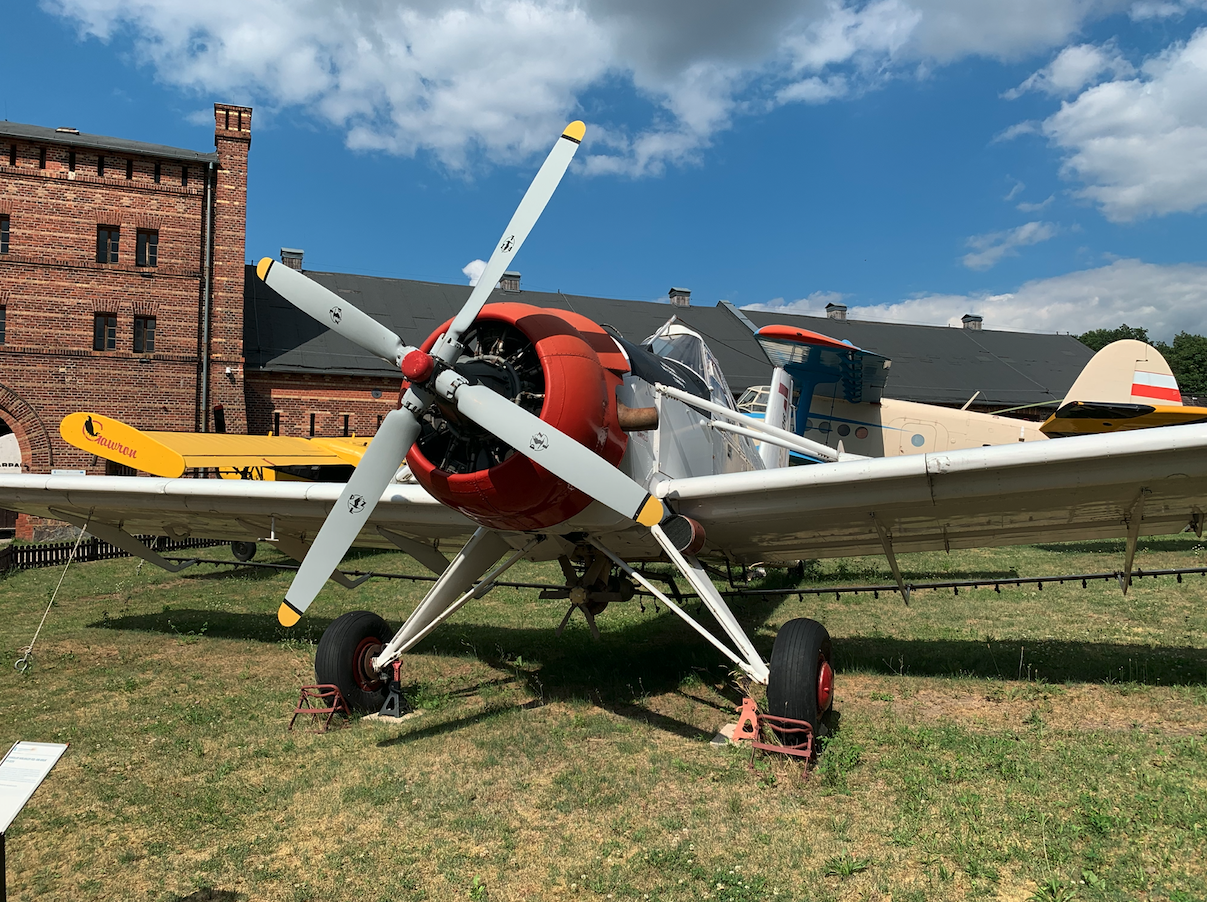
point(549, 362)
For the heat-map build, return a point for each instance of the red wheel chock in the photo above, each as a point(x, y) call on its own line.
point(322, 700)
point(795, 736)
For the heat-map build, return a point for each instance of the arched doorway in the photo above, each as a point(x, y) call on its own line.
point(10, 462)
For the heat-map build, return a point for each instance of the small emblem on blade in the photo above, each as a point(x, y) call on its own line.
point(539, 442)
point(356, 504)
point(337, 314)
point(508, 244)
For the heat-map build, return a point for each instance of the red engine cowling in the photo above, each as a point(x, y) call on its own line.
point(558, 365)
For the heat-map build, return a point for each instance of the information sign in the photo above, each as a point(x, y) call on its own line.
point(21, 772)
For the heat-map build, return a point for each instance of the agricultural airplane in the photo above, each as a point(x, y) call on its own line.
point(538, 434)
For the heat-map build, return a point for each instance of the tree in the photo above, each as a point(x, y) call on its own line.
point(1097, 339)
point(1187, 357)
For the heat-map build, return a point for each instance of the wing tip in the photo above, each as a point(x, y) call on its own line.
point(575, 131)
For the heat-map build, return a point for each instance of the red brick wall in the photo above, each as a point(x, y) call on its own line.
point(296, 396)
point(52, 286)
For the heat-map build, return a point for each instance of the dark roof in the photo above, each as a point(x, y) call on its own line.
point(930, 364)
point(942, 365)
point(43, 135)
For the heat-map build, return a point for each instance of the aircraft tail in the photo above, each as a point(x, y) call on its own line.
point(1126, 372)
point(778, 414)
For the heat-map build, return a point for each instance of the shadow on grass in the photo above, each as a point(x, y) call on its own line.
point(1117, 546)
point(210, 895)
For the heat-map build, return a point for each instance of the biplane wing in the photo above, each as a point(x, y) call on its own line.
point(172, 453)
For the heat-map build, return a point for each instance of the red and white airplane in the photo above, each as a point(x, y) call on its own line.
point(537, 434)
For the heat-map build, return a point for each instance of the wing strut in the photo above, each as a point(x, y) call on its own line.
point(121, 539)
point(1135, 516)
point(886, 542)
point(752, 664)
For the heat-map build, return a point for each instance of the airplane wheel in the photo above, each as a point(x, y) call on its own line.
point(344, 654)
point(243, 551)
point(801, 684)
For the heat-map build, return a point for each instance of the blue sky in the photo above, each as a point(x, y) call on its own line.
point(1042, 162)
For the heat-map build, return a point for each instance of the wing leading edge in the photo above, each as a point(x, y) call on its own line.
point(1074, 488)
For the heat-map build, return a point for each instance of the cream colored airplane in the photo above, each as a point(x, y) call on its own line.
point(1127, 385)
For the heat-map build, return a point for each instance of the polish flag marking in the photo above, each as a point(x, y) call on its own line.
point(1159, 386)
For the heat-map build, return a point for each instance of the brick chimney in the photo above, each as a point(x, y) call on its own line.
point(836, 311)
point(971, 322)
point(292, 257)
point(510, 281)
point(680, 297)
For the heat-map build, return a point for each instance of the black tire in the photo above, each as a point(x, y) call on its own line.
point(343, 658)
point(243, 551)
point(800, 655)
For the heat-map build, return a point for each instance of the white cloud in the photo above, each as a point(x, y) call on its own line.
point(1073, 69)
point(1139, 144)
point(988, 249)
point(474, 80)
point(1025, 207)
point(1163, 299)
point(473, 270)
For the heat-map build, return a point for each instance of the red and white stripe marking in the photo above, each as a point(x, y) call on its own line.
point(1158, 386)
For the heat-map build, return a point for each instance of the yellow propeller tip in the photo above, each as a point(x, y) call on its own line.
point(262, 268)
point(650, 513)
point(575, 131)
point(287, 615)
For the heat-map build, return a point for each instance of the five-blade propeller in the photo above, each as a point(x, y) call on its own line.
point(556, 452)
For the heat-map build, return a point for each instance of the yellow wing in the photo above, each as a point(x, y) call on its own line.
point(171, 453)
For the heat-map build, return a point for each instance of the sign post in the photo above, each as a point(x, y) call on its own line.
point(21, 772)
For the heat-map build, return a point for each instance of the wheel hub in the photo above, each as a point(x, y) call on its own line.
point(362, 664)
point(825, 686)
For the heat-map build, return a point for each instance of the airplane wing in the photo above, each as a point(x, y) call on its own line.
point(171, 453)
point(228, 510)
point(1075, 488)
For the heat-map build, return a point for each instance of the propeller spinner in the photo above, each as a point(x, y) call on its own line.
point(433, 378)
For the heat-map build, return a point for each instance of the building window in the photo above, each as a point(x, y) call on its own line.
point(42, 158)
point(3, 319)
point(184, 176)
point(71, 161)
point(129, 169)
point(146, 251)
point(144, 334)
point(157, 166)
point(347, 417)
point(276, 422)
point(106, 243)
point(100, 165)
point(312, 425)
point(12, 155)
point(104, 332)
point(4, 233)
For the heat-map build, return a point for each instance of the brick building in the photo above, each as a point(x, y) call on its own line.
point(121, 283)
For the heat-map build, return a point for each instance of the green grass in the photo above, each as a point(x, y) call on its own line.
point(1017, 745)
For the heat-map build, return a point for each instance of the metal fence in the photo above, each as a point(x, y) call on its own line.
point(52, 554)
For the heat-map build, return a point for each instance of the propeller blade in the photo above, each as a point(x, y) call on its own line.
point(332, 311)
point(384, 455)
point(558, 453)
point(517, 230)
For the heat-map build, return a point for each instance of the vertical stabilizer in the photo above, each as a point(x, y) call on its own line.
point(779, 414)
point(1126, 372)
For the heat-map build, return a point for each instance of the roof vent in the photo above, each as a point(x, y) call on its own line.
point(971, 321)
point(67, 130)
point(292, 257)
point(836, 311)
point(510, 281)
point(680, 297)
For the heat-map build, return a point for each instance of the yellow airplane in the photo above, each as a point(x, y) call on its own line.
point(170, 454)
